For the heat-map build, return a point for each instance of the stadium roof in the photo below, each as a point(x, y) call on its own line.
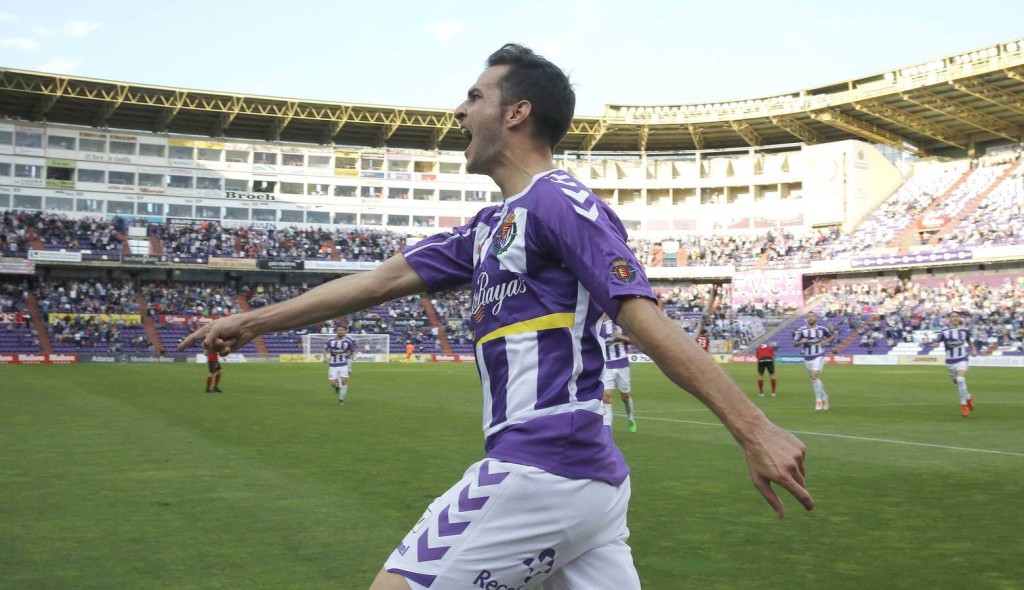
point(947, 106)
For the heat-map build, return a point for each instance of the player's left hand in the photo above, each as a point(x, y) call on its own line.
point(776, 456)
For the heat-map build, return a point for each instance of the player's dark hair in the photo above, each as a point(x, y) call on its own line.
point(531, 77)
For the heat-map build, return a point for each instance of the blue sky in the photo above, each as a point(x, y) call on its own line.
point(427, 53)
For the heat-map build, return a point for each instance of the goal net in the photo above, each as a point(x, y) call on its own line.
point(369, 347)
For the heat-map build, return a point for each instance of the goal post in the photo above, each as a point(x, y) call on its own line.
point(369, 347)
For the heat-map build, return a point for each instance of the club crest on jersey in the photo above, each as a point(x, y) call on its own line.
point(506, 233)
point(623, 270)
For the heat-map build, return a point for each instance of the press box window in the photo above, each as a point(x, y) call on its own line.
point(6, 137)
point(5, 201)
point(291, 188)
point(180, 152)
point(122, 147)
point(179, 181)
point(345, 163)
point(402, 220)
point(60, 203)
point(319, 162)
point(293, 159)
point(86, 175)
point(179, 210)
point(291, 216)
point(371, 192)
point(88, 144)
point(237, 156)
point(344, 191)
point(264, 214)
point(208, 154)
point(149, 209)
point(89, 206)
point(5, 169)
point(318, 217)
point(264, 186)
point(127, 178)
point(207, 212)
point(372, 219)
point(448, 195)
point(120, 207)
point(147, 179)
point(476, 196)
point(450, 167)
point(265, 158)
point(61, 174)
point(423, 194)
point(372, 164)
point(318, 190)
point(152, 150)
point(345, 218)
point(423, 221)
point(28, 139)
point(236, 185)
point(236, 213)
point(60, 142)
point(207, 183)
point(28, 202)
point(28, 171)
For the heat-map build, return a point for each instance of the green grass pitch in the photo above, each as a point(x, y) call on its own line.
point(132, 477)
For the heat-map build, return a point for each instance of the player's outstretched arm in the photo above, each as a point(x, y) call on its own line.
point(348, 294)
point(773, 454)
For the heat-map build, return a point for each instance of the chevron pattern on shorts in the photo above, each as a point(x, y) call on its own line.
point(466, 503)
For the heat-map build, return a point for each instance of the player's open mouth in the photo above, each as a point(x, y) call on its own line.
point(467, 134)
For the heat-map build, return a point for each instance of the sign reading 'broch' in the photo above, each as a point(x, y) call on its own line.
point(249, 196)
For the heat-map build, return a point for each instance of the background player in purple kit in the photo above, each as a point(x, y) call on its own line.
point(546, 507)
point(813, 339)
point(616, 370)
point(957, 340)
point(338, 356)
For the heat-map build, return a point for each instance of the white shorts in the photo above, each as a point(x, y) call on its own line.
point(954, 368)
point(335, 373)
point(814, 364)
point(617, 379)
point(513, 526)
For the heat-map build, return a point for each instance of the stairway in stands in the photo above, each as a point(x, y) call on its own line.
point(909, 233)
point(258, 342)
point(38, 322)
point(972, 205)
point(435, 322)
point(149, 325)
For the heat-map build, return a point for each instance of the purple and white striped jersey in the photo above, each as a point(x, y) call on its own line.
point(340, 351)
point(543, 267)
point(957, 342)
point(811, 341)
point(615, 356)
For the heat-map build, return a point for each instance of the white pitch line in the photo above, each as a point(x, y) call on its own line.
point(785, 406)
point(849, 437)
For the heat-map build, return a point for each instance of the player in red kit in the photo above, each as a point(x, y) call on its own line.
point(213, 362)
point(704, 340)
point(765, 361)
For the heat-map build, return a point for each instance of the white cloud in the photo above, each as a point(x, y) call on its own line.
point(447, 30)
point(43, 31)
point(60, 65)
point(22, 43)
point(80, 28)
point(6, 17)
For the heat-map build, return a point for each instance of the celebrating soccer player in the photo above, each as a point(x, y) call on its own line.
point(814, 338)
point(959, 347)
point(543, 265)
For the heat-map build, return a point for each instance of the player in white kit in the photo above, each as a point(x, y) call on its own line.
point(546, 506)
point(616, 370)
point(959, 348)
point(338, 354)
point(813, 339)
